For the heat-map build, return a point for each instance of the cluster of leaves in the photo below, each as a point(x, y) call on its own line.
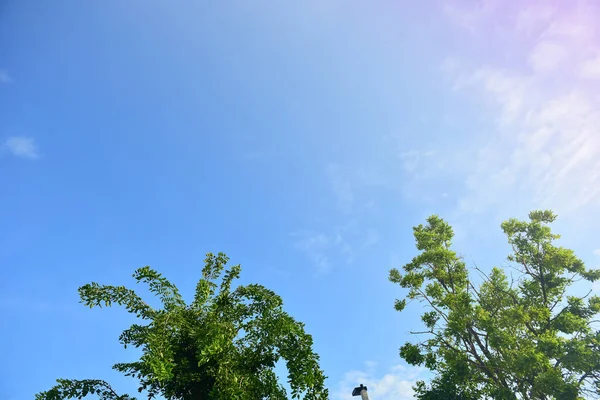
point(523, 338)
point(224, 345)
point(78, 389)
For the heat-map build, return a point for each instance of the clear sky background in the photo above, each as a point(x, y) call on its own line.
point(304, 139)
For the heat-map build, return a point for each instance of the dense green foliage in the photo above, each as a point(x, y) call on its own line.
point(224, 345)
point(523, 338)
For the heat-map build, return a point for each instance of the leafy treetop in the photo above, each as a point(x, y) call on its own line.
point(224, 345)
point(523, 338)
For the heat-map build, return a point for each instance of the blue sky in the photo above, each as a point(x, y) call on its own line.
point(304, 140)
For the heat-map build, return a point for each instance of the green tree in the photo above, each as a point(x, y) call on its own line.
point(224, 345)
point(526, 337)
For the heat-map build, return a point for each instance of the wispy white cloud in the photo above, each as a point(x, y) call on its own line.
point(426, 173)
point(450, 65)
point(413, 160)
point(544, 150)
point(590, 68)
point(597, 252)
point(371, 238)
point(320, 248)
point(471, 16)
point(316, 247)
point(347, 184)
point(532, 17)
point(336, 245)
point(395, 384)
point(4, 77)
point(547, 56)
point(21, 146)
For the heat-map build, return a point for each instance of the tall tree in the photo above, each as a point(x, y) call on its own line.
point(223, 345)
point(527, 337)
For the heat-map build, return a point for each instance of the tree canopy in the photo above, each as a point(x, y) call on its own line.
point(223, 345)
point(527, 337)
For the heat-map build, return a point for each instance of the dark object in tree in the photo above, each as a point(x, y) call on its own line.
point(224, 345)
point(523, 339)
